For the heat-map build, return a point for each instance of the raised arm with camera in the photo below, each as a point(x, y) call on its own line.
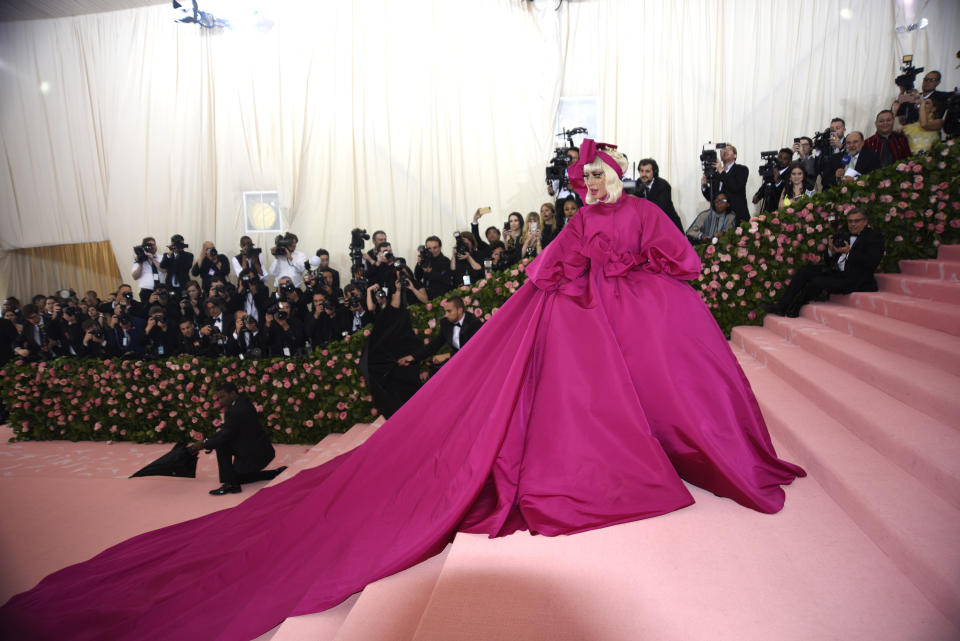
point(147, 270)
point(176, 263)
point(287, 261)
point(210, 263)
point(248, 258)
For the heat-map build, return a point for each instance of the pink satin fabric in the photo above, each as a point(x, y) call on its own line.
point(580, 404)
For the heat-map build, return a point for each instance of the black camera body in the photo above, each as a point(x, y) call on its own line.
point(140, 253)
point(281, 244)
point(908, 79)
point(176, 243)
point(462, 246)
point(769, 169)
point(708, 158)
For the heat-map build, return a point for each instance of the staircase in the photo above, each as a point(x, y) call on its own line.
point(863, 391)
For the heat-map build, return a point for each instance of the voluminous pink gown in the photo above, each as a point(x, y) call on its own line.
point(582, 403)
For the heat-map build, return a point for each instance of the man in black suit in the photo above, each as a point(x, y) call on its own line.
point(33, 343)
point(243, 447)
point(655, 189)
point(177, 263)
point(455, 329)
point(832, 158)
point(856, 161)
point(853, 258)
point(126, 334)
point(731, 179)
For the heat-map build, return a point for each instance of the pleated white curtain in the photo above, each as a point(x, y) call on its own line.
point(406, 116)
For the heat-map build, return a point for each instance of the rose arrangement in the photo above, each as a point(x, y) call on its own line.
point(915, 204)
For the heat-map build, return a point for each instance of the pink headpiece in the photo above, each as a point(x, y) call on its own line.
point(589, 150)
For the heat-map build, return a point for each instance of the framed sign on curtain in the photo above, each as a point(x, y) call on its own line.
point(261, 212)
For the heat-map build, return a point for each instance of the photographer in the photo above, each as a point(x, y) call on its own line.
point(852, 258)
point(125, 334)
point(378, 237)
point(285, 331)
point(465, 265)
point(191, 302)
point(288, 293)
point(558, 182)
point(288, 262)
point(390, 339)
point(220, 288)
point(93, 343)
point(326, 322)
point(831, 152)
point(907, 105)
point(383, 269)
point(215, 321)
point(731, 179)
point(33, 343)
point(324, 266)
point(655, 189)
point(71, 330)
point(492, 233)
point(248, 258)
point(190, 341)
point(161, 337)
point(252, 293)
point(161, 297)
point(412, 291)
point(803, 148)
point(499, 260)
point(147, 270)
point(123, 302)
point(355, 302)
point(247, 340)
point(433, 268)
point(210, 264)
point(773, 181)
point(177, 263)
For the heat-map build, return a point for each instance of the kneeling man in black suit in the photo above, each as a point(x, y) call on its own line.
point(852, 260)
point(243, 448)
point(454, 330)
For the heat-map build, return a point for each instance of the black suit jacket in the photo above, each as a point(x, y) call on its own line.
point(660, 194)
point(862, 262)
point(469, 327)
point(179, 265)
point(243, 436)
point(733, 183)
point(867, 161)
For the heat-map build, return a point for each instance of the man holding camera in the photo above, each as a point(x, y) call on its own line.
point(252, 292)
point(454, 330)
point(190, 341)
point(123, 302)
point(324, 266)
point(908, 103)
point(161, 337)
point(731, 179)
point(803, 148)
point(210, 264)
point(177, 262)
point(376, 239)
point(94, 341)
point(433, 268)
point(355, 302)
point(324, 324)
point(243, 447)
point(773, 181)
point(285, 331)
point(287, 261)
point(146, 268)
point(125, 334)
point(248, 258)
point(247, 340)
point(831, 156)
point(465, 264)
point(852, 259)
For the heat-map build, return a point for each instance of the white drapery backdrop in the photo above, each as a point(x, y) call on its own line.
point(409, 116)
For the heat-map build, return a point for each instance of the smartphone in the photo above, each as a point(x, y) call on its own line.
point(534, 226)
point(484, 210)
point(796, 140)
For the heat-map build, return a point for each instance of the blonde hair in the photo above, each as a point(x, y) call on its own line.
point(611, 181)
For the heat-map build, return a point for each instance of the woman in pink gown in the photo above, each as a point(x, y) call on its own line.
point(610, 381)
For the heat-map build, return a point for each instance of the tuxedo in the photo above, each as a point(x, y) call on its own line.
point(208, 267)
point(659, 193)
point(445, 335)
point(733, 183)
point(243, 447)
point(856, 275)
point(134, 342)
point(36, 340)
point(244, 342)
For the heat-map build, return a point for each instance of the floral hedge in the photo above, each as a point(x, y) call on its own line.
point(916, 205)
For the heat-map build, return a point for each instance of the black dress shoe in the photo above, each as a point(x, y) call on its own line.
point(226, 488)
point(269, 475)
point(772, 308)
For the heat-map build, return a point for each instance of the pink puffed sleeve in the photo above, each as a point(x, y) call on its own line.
point(663, 247)
point(561, 265)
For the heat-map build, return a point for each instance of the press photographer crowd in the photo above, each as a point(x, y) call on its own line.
point(214, 304)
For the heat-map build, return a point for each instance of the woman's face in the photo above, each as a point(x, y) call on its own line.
point(596, 184)
point(194, 292)
point(546, 214)
point(516, 222)
point(796, 176)
point(569, 209)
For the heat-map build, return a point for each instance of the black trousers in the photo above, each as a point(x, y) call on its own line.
point(809, 282)
point(235, 470)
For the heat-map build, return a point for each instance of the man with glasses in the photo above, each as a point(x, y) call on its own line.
point(709, 224)
point(852, 258)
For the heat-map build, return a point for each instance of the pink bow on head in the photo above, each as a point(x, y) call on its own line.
point(589, 150)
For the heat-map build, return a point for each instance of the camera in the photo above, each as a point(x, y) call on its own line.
point(70, 311)
point(908, 78)
point(162, 296)
point(248, 319)
point(286, 288)
point(708, 158)
point(212, 252)
point(381, 293)
point(250, 251)
point(463, 247)
point(158, 318)
point(326, 304)
point(424, 253)
point(557, 169)
point(97, 332)
point(140, 253)
point(281, 244)
point(123, 318)
point(769, 169)
point(128, 296)
point(176, 243)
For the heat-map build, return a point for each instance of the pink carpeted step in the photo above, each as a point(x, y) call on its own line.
point(331, 446)
point(919, 287)
point(320, 626)
point(926, 313)
point(927, 345)
point(939, 269)
point(714, 570)
point(916, 528)
point(924, 387)
point(925, 447)
point(949, 253)
point(390, 609)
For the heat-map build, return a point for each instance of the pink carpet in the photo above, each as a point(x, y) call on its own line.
point(862, 391)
